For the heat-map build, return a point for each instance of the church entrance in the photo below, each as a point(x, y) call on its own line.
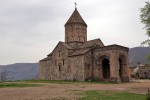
point(106, 68)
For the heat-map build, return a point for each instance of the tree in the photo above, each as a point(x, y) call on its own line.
point(145, 19)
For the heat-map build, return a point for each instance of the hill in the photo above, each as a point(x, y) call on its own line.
point(138, 55)
point(20, 71)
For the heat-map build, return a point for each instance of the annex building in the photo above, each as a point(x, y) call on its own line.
point(80, 59)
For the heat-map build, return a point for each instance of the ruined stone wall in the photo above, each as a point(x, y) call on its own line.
point(144, 72)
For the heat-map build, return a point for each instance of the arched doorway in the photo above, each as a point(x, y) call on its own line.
point(122, 63)
point(120, 68)
point(106, 68)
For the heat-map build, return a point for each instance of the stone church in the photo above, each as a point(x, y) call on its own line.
point(80, 59)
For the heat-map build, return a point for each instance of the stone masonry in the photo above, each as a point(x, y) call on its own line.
point(82, 60)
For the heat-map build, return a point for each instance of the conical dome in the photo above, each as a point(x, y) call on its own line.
point(75, 30)
point(75, 18)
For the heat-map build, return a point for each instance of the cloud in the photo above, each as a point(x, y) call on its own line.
point(30, 29)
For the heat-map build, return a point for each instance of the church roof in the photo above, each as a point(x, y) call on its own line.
point(49, 54)
point(80, 52)
point(47, 58)
point(66, 45)
point(76, 18)
point(91, 43)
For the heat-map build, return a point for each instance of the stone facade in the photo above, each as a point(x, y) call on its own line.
point(79, 59)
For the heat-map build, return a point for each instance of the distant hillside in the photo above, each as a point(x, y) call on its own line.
point(138, 54)
point(20, 71)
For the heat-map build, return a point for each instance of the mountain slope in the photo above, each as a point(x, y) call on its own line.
point(21, 71)
point(138, 55)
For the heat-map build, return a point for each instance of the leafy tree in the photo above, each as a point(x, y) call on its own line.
point(145, 19)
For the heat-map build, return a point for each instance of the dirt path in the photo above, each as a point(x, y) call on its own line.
point(48, 91)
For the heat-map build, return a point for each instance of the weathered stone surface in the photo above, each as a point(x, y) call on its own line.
point(79, 59)
point(144, 72)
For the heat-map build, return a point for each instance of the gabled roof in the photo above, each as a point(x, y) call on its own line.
point(64, 44)
point(76, 18)
point(91, 43)
point(47, 58)
point(80, 52)
point(67, 45)
point(112, 47)
point(49, 54)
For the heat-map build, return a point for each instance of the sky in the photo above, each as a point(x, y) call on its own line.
point(30, 29)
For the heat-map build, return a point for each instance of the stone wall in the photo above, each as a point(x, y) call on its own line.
point(57, 67)
point(42, 70)
point(88, 66)
point(144, 72)
point(45, 70)
point(113, 54)
point(75, 32)
point(60, 63)
point(76, 65)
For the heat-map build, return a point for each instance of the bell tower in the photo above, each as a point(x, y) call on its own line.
point(75, 30)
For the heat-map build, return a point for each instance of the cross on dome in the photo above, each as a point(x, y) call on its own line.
point(75, 5)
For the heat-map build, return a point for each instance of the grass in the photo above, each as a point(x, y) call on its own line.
point(65, 82)
point(81, 95)
point(103, 95)
point(14, 85)
point(109, 95)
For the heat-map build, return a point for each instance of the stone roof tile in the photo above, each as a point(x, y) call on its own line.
point(76, 18)
point(47, 58)
point(67, 45)
point(80, 52)
point(91, 43)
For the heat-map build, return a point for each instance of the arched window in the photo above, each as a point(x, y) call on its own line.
point(63, 61)
point(59, 67)
point(122, 63)
point(59, 53)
